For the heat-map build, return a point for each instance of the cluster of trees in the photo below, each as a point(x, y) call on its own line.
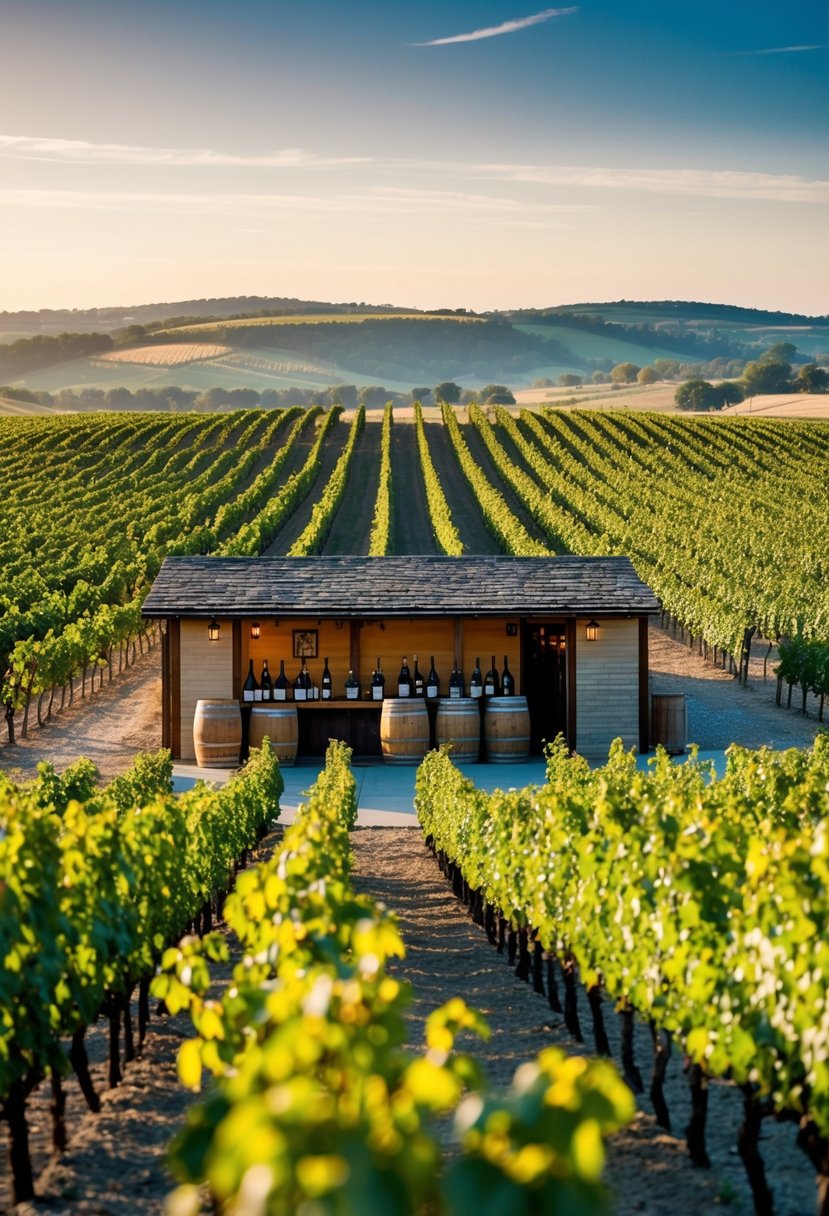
point(171, 397)
point(772, 373)
point(29, 354)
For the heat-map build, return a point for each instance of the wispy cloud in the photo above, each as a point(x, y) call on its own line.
point(81, 151)
point(507, 27)
point(782, 50)
point(707, 183)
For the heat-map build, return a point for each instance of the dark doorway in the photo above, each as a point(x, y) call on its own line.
point(544, 678)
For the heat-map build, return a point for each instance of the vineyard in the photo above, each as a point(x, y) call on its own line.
point(696, 906)
point(727, 520)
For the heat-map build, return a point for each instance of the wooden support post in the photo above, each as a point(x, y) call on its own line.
point(644, 692)
point(571, 684)
point(166, 714)
point(174, 631)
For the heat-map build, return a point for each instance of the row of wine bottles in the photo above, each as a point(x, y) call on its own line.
point(410, 683)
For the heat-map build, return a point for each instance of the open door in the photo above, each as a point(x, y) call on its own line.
point(544, 680)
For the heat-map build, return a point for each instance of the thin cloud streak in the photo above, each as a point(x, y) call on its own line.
point(81, 151)
point(706, 183)
point(507, 27)
point(782, 50)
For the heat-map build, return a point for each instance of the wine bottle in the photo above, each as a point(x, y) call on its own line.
point(432, 681)
point(404, 680)
point(456, 682)
point(326, 685)
point(280, 684)
point(378, 683)
point(352, 687)
point(300, 687)
point(266, 682)
point(419, 682)
point(492, 683)
point(507, 681)
point(250, 689)
point(476, 681)
point(308, 683)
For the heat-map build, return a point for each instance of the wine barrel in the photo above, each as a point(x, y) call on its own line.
point(669, 722)
point(217, 733)
point(507, 730)
point(459, 723)
point(404, 730)
point(279, 724)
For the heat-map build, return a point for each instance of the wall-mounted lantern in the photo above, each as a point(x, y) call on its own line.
point(213, 630)
point(254, 630)
point(592, 631)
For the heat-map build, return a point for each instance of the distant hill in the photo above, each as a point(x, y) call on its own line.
point(277, 342)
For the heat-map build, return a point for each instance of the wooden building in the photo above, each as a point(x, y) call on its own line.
point(574, 630)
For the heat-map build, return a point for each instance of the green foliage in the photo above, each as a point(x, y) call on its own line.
point(767, 376)
point(447, 392)
point(702, 903)
point(624, 373)
point(812, 379)
point(446, 534)
point(316, 1102)
point(381, 523)
point(313, 537)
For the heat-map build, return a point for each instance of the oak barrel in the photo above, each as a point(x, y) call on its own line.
point(278, 723)
point(217, 733)
point(404, 730)
point(459, 723)
point(507, 730)
point(669, 721)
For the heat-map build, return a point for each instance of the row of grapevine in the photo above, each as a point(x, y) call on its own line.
point(319, 525)
point(446, 534)
point(92, 891)
point(503, 525)
point(316, 1104)
point(702, 905)
point(380, 539)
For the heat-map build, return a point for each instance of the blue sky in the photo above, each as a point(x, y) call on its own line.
point(479, 155)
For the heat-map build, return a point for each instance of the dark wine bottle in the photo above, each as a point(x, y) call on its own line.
point(250, 689)
point(476, 681)
point(404, 680)
point(300, 691)
point(456, 682)
point(307, 682)
point(378, 683)
point(266, 682)
point(419, 682)
point(352, 687)
point(492, 683)
point(326, 684)
point(507, 681)
point(432, 681)
point(281, 686)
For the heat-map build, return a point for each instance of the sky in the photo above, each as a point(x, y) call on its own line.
point(437, 155)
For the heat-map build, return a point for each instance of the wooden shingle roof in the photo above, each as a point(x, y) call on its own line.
point(422, 585)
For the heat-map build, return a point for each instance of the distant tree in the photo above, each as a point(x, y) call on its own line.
point(696, 395)
point(781, 352)
point(469, 397)
point(420, 394)
point(624, 373)
point(666, 369)
point(599, 377)
point(345, 394)
point(767, 376)
point(496, 394)
point(812, 379)
point(646, 375)
point(448, 391)
point(542, 382)
point(372, 395)
point(570, 380)
point(730, 392)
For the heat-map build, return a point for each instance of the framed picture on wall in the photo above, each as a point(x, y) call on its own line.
point(306, 642)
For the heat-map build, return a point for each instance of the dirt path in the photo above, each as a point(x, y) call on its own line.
point(351, 527)
point(299, 519)
point(411, 527)
point(108, 727)
point(488, 467)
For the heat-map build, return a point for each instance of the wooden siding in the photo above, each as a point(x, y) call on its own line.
point(607, 687)
point(206, 671)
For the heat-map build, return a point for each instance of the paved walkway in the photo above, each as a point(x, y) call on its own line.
point(385, 793)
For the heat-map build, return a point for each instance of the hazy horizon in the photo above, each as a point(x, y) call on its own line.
point(489, 155)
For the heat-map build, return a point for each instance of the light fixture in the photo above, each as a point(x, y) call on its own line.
point(254, 630)
point(592, 631)
point(213, 630)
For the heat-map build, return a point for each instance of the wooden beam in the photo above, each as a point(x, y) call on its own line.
point(571, 684)
point(236, 642)
point(175, 687)
point(644, 688)
point(165, 686)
